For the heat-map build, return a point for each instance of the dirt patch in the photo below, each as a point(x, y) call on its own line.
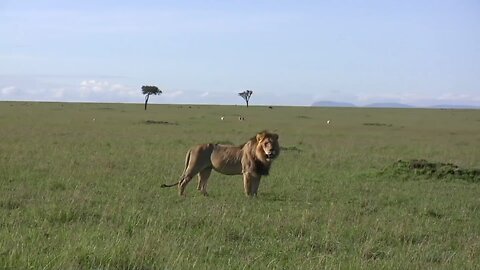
point(154, 122)
point(437, 170)
point(291, 148)
point(378, 124)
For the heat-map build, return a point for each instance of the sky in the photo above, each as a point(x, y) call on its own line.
point(419, 52)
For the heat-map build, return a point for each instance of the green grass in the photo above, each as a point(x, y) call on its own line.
point(82, 194)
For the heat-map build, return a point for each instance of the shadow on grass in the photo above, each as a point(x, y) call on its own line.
point(273, 197)
point(290, 148)
point(378, 124)
point(154, 122)
point(10, 204)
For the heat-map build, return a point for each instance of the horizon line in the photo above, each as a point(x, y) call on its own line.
point(367, 106)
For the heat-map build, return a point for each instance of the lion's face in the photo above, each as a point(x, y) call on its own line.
point(268, 145)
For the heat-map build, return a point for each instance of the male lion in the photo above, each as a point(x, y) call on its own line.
point(252, 159)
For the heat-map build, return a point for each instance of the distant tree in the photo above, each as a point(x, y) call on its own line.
point(150, 90)
point(246, 95)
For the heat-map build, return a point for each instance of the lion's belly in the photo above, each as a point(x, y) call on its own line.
point(227, 160)
point(227, 168)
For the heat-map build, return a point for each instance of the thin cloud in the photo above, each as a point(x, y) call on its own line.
point(89, 90)
point(93, 90)
point(8, 90)
point(173, 94)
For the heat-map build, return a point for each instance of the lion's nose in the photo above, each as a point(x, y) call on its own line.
point(270, 154)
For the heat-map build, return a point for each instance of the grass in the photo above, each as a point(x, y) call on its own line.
point(78, 193)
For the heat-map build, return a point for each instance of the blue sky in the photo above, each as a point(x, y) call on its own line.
point(287, 52)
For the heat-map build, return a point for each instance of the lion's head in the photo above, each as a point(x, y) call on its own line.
point(267, 145)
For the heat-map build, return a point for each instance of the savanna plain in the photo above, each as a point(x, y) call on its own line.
point(80, 189)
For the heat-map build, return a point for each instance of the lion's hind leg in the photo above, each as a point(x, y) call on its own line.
point(198, 162)
point(203, 179)
point(183, 184)
point(203, 175)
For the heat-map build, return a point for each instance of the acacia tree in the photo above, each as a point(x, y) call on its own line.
point(246, 95)
point(150, 90)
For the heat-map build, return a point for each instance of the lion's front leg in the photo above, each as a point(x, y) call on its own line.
point(250, 183)
point(254, 185)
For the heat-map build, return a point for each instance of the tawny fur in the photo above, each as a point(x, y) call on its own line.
point(252, 159)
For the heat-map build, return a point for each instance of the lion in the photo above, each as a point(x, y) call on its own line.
point(252, 159)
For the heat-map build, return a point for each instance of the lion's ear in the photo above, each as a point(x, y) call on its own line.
point(260, 136)
point(275, 136)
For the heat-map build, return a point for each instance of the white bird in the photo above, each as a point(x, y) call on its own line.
point(328, 122)
point(221, 118)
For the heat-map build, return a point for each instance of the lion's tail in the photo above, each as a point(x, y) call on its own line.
point(169, 185)
point(187, 160)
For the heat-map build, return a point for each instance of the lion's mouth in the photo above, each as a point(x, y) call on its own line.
point(270, 156)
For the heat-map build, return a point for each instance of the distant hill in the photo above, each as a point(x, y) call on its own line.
point(326, 103)
point(332, 104)
point(453, 106)
point(389, 105)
